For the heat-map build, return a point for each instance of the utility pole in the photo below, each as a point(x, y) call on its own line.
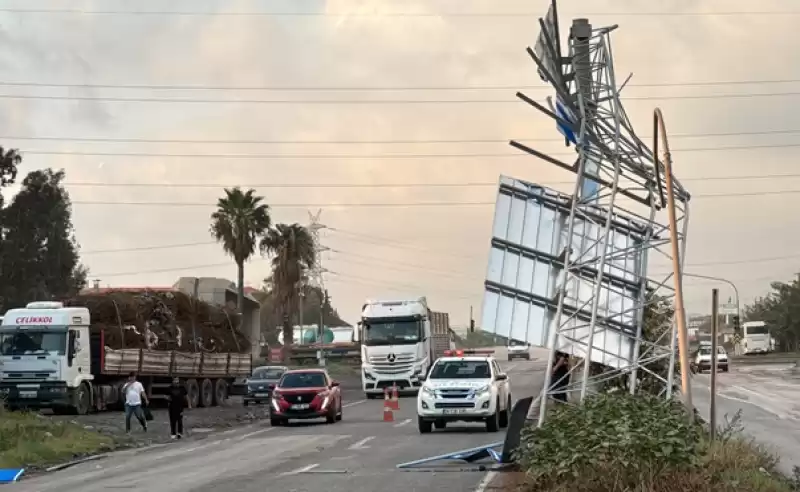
point(317, 276)
point(712, 420)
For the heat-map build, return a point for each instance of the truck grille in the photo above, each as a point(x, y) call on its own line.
point(454, 393)
point(401, 364)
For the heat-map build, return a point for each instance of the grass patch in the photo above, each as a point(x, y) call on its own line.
point(29, 440)
point(621, 443)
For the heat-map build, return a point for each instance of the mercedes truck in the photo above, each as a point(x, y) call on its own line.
point(400, 341)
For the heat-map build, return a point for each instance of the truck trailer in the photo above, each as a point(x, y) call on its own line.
point(400, 341)
point(50, 358)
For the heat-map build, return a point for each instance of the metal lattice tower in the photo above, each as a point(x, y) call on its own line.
point(316, 275)
point(606, 230)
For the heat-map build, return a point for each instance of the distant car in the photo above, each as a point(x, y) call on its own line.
point(702, 359)
point(305, 394)
point(262, 382)
point(518, 350)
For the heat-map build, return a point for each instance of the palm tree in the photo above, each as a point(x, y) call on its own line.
point(239, 221)
point(293, 254)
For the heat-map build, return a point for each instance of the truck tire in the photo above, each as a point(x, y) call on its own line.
point(220, 391)
point(82, 400)
point(206, 396)
point(193, 392)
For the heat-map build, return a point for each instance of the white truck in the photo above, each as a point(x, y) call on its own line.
point(755, 338)
point(49, 358)
point(400, 340)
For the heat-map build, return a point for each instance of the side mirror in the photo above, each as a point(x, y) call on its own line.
point(501, 377)
point(71, 348)
point(422, 377)
point(334, 383)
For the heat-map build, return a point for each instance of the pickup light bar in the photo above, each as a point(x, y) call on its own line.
point(463, 352)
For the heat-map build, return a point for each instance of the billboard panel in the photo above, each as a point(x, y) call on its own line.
point(526, 268)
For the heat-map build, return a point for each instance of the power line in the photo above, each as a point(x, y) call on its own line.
point(372, 156)
point(513, 15)
point(146, 248)
point(398, 204)
point(466, 184)
point(510, 100)
point(273, 88)
point(363, 142)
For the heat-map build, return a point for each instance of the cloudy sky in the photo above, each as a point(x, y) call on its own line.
point(143, 219)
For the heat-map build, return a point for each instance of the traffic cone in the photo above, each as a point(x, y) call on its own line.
point(388, 414)
point(394, 402)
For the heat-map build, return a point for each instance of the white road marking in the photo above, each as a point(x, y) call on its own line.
point(353, 403)
point(260, 431)
point(484, 484)
point(299, 470)
point(401, 424)
point(361, 444)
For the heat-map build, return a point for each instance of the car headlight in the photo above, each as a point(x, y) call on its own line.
point(483, 390)
point(428, 391)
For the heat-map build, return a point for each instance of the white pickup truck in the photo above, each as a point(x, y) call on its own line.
point(465, 386)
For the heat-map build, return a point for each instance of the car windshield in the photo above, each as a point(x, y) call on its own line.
point(303, 380)
point(461, 369)
point(33, 343)
point(268, 373)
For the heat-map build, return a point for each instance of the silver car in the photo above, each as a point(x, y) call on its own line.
point(262, 382)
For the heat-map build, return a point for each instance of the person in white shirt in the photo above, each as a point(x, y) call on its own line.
point(134, 397)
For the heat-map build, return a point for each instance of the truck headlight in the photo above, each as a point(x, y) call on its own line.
point(483, 390)
point(428, 391)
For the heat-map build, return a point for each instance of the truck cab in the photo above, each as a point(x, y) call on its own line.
point(45, 359)
point(395, 345)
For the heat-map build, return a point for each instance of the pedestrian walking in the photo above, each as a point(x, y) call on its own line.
point(178, 400)
point(560, 377)
point(134, 397)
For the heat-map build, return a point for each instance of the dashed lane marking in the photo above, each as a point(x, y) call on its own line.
point(401, 424)
point(300, 470)
point(353, 403)
point(361, 444)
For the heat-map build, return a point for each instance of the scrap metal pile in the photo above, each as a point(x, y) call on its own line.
point(162, 321)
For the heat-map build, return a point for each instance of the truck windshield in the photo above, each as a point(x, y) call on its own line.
point(33, 343)
point(756, 330)
point(461, 369)
point(391, 333)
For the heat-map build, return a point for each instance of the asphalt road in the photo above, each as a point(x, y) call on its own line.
point(359, 453)
point(769, 399)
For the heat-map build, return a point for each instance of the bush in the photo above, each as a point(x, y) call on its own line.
point(31, 440)
point(619, 436)
point(618, 442)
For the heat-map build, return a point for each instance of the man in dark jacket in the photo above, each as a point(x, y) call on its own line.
point(178, 400)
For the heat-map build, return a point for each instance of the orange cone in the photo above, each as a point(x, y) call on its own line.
point(394, 402)
point(388, 414)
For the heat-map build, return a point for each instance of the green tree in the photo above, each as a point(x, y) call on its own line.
point(40, 254)
point(240, 220)
point(780, 310)
point(293, 254)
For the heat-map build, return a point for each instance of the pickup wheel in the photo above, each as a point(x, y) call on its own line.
point(425, 426)
point(504, 415)
point(493, 422)
point(206, 396)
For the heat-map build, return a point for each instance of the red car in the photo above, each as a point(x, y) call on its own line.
point(305, 394)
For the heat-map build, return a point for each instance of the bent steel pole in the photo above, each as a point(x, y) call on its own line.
point(680, 312)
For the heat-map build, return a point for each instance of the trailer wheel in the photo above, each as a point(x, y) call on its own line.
point(220, 391)
point(206, 393)
point(193, 392)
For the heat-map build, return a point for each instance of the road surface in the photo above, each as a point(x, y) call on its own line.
point(769, 398)
point(359, 453)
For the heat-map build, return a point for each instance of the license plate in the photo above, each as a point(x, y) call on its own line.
point(262, 395)
point(27, 394)
point(300, 406)
point(454, 411)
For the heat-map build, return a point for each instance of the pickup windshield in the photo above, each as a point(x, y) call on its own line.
point(461, 369)
point(391, 333)
point(33, 343)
